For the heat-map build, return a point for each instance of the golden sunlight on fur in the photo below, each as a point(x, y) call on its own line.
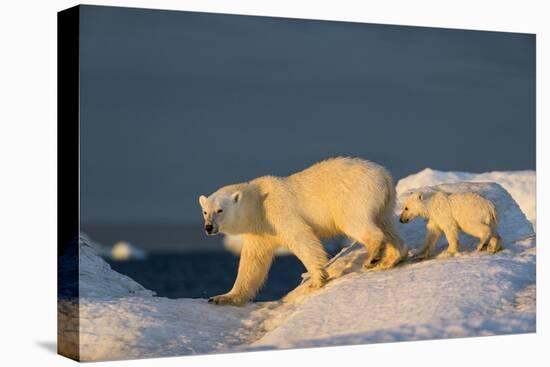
point(339, 196)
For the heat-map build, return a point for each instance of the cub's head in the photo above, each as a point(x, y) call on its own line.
point(220, 211)
point(414, 207)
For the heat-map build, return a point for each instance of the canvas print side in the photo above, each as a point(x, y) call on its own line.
point(68, 216)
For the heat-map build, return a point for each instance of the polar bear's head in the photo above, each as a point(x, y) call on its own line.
point(220, 211)
point(414, 207)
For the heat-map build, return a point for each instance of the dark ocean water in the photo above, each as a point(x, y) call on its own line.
point(202, 275)
point(183, 262)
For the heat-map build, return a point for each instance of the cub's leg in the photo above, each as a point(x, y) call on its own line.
point(495, 243)
point(483, 232)
point(254, 264)
point(433, 233)
point(451, 232)
point(307, 247)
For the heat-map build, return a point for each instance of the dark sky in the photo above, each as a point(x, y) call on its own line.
point(176, 104)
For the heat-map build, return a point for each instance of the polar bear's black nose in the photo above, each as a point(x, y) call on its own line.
point(208, 228)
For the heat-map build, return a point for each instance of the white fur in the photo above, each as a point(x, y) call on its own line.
point(339, 196)
point(449, 213)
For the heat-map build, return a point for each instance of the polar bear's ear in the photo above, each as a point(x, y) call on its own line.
point(420, 195)
point(236, 196)
point(202, 200)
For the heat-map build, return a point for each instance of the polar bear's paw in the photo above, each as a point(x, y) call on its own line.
point(227, 299)
point(421, 256)
point(381, 266)
point(371, 265)
point(447, 254)
point(319, 280)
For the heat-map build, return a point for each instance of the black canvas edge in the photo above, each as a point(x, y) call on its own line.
point(68, 185)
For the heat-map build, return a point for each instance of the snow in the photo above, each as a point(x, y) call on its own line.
point(120, 319)
point(139, 327)
point(474, 294)
point(98, 281)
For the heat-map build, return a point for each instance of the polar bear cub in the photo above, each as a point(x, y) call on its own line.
point(339, 196)
point(449, 213)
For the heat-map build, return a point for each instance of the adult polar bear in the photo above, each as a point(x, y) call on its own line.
point(338, 196)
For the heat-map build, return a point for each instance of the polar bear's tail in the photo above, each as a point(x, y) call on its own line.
point(493, 215)
point(495, 242)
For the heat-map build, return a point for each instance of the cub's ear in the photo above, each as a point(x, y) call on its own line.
point(236, 196)
point(202, 200)
point(419, 195)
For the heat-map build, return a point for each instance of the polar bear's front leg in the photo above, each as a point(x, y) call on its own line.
point(254, 264)
point(433, 233)
point(452, 238)
point(307, 247)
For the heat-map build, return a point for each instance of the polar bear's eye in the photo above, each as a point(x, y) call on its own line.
point(406, 208)
point(204, 213)
point(220, 210)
